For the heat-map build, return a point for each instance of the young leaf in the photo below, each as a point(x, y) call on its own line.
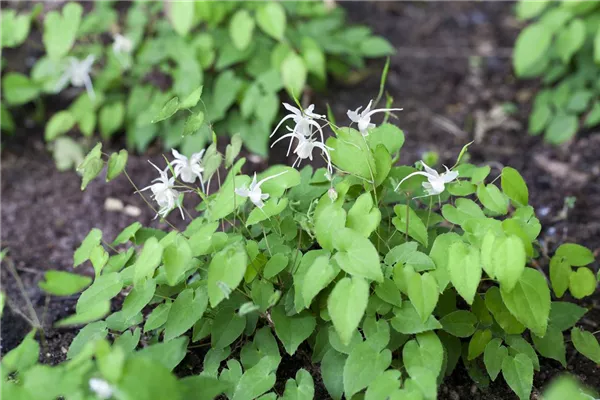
point(192, 99)
point(356, 255)
point(176, 259)
point(576, 255)
point(59, 124)
point(138, 298)
point(22, 357)
point(116, 165)
point(478, 343)
point(226, 327)
point(529, 301)
point(364, 364)
point(560, 274)
point(416, 228)
point(582, 283)
point(318, 276)
point(530, 48)
point(170, 108)
point(182, 16)
point(564, 315)
point(187, 308)
point(91, 241)
point(302, 388)
point(493, 357)
point(423, 293)
point(363, 216)
point(293, 73)
point(492, 198)
point(241, 27)
point(227, 268)
point(147, 261)
point(459, 323)
point(89, 334)
point(514, 186)
point(332, 372)
point(60, 30)
point(271, 19)
point(508, 261)
point(552, 345)
point(347, 304)
point(105, 287)
point(292, 331)
point(408, 322)
point(426, 351)
point(518, 373)
point(61, 283)
point(158, 317)
point(465, 270)
point(385, 386)
point(586, 343)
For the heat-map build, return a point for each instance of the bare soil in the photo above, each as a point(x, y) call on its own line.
point(451, 74)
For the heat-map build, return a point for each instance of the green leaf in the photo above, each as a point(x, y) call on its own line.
point(158, 317)
point(346, 305)
point(241, 27)
point(272, 20)
point(352, 154)
point(416, 228)
point(388, 135)
point(560, 273)
point(264, 344)
point(494, 303)
point(233, 150)
point(111, 118)
point(176, 259)
point(61, 283)
point(478, 343)
point(147, 261)
point(328, 223)
point(168, 354)
point(257, 380)
point(586, 343)
point(127, 234)
point(439, 255)
point(576, 255)
point(144, 378)
point(60, 30)
point(15, 28)
point(188, 307)
point(508, 261)
point(94, 312)
point(302, 388)
point(22, 357)
point(529, 301)
point(564, 315)
point(318, 276)
point(59, 124)
point(539, 118)
point(465, 269)
point(89, 334)
point(385, 386)
point(227, 268)
point(492, 198)
point(170, 108)
point(364, 364)
point(357, 255)
point(314, 57)
point(292, 331)
point(275, 265)
point(530, 48)
point(582, 283)
point(226, 328)
point(138, 298)
point(514, 186)
point(520, 345)
point(105, 287)
point(293, 74)
point(363, 216)
point(192, 99)
point(201, 386)
point(562, 128)
point(459, 323)
point(494, 356)
point(570, 39)
point(408, 321)
point(332, 368)
point(426, 351)
point(389, 292)
point(272, 207)
point(182, 16)
point(116, 164)
point(552, 345)
point(530, 9)
point(91, 169)
point(518, 373)
point(375, 47)
point(423, 293)
point(18, 89)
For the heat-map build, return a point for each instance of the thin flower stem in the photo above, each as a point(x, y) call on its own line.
point(266, 240)
point(28, 304)
point(429, 213)
point(407, 218)
point(110, 246)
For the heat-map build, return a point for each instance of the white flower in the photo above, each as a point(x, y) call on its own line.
point(190, 168)
point(121, 44)
point(363, 119)
point(101, 388)
point(304, 120)
point(254, 192)
point(435, 182)
point(305, 147)
point(164, 194)
point(78, 73)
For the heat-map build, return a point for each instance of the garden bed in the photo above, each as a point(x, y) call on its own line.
point(452, 74)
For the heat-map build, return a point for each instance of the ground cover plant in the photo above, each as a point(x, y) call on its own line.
point(562, 47)
point(390, 274)
point(117, 64)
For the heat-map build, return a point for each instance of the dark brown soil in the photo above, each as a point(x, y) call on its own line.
point(452, 68)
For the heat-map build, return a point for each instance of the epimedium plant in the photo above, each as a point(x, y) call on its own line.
point(132, 61)
point(388, 276)
point(562, 46)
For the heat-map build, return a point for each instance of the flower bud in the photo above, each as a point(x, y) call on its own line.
point(332, 194)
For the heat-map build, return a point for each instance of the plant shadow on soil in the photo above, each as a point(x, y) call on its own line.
point(451, 69)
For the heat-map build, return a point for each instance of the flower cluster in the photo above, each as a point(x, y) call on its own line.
point(164, 191)
point(309, 135)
